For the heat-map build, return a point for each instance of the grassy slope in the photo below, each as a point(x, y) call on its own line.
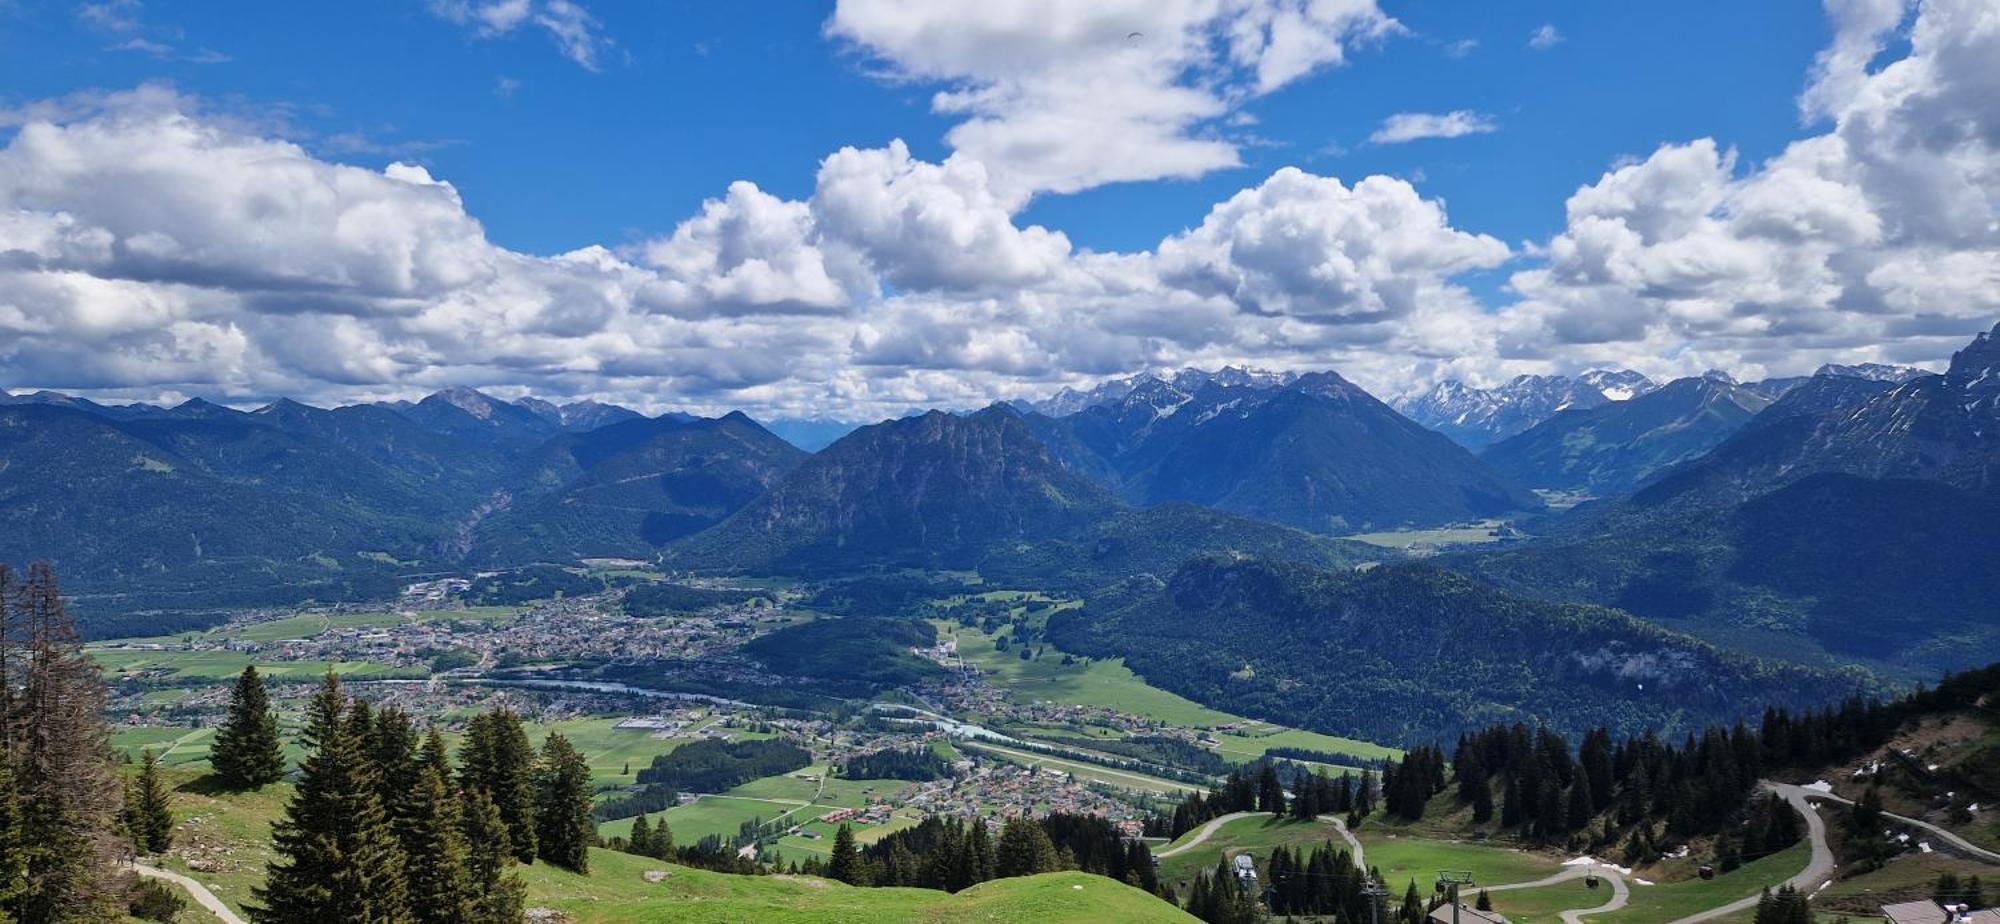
point(231, 832)
point(1675, 900)
point(617, 891)
point(1402, 857)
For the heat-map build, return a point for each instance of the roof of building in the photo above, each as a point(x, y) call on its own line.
point(1924, 911)
point(1466, 915)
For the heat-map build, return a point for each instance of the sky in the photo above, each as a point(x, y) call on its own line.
point(851, 210)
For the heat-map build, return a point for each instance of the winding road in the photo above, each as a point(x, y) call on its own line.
point(202, 896)
point(1957, 844)
point(1818, 869)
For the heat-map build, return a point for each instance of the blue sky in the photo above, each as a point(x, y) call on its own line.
point(694, 95)
point(569, 124)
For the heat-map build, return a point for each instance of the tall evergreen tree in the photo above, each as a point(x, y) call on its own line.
point(844, 864)
point(1024, 850)
point(246, 752)
point(498, 895)
point(150, 816)
point(433, 838)
point(498, 758)
point(13, 854)
point(564, 827)
point(69, 791)
point(337, 859)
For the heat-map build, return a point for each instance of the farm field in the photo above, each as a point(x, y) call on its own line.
point(1124, 779)
point(1111, 684)
point(1431, 538)
point(225, 665)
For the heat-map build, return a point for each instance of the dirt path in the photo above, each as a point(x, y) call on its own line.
point(202, 896)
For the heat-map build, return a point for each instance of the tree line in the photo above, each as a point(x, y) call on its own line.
point(382, 827)
point(952, 854)
point(1314, 793)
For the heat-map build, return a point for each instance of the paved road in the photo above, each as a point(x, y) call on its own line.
point(1957, 844)
point(1202, 833)
point(1620, 892)
point(202, 896)
point(1818, 869)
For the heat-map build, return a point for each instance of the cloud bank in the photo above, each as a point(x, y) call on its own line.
point(150, 246)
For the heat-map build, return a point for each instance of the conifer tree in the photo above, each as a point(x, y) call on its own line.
point(13, 855)
point(640, 839)
point(1024, 850)
point(433, 838)
point(498, 895)
point(844, 864)
point(1412, 911)
point(337, 858)
point(150, 816)
point(246, 753)
point(498, 759)
point(68, 789)
point(564, 825)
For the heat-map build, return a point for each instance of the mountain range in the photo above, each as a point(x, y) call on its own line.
point(1316, 452)
point(1477, 417)
point(1853, 519)
point(1842, 521)
point(1611, 448)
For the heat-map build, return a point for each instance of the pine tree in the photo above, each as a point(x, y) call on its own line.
point(1482, 801)
point(564, 825)
point(498, 895)
point(844, 864)
point(69, 791)
point(498, 758)
point(13, 855)
point(640, 840)
point(1483, 903)
point(246, 753)
point(1270, 793)
point(1412, 911)
point(1025, 849)
point(151, 820)
point(433, 838)
point(337, 858)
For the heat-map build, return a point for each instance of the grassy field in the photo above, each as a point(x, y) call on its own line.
point(1402, 858)
point(1539, 906)
point(617, 891)
point(611, 750)
point(1674, 900)
point(1431, 538)
point(225, 665)
point(1109, 683)
point(1255, 835)
point(1124, 779)
point(310, 625)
